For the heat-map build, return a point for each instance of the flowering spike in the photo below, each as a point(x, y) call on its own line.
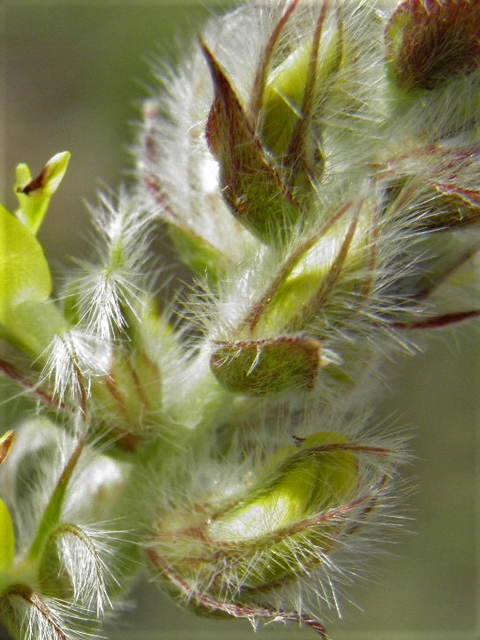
point(317, 165)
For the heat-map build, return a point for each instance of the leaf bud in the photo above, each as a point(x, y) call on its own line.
point(34, 193)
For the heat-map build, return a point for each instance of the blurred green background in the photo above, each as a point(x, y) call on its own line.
point(73, 75)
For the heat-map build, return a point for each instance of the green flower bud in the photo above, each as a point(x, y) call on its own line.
point(274, 139)
point(432, 41)
point(290, 101)
point(285, 522)
point(297, 483)
point(266, 367)
point(329, 266)
point(440, 183)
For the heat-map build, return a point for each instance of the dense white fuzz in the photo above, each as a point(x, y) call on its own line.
point(33, 617)
point(179, 175)
point(72, 360)
point(81, 558)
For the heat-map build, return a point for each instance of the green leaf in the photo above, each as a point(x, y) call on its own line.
point(34, 194)
point(24, 271)
point(26, 312)
point(7, 539)
point(33, 324)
